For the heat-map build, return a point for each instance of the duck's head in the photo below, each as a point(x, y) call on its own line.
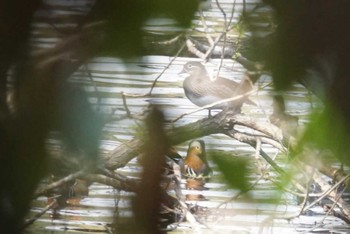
point(197, 147)
point(194, 68)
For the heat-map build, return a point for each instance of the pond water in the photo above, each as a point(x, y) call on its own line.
point(240, 215)
point(110, 77)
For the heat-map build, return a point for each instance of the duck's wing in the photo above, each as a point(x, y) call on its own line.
point(190, 172)
point(204, 172)
point(225, 88)
point(203, 91)
point(208, 173)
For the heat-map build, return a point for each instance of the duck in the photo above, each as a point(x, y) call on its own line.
point(201, 90)
point(195, 164)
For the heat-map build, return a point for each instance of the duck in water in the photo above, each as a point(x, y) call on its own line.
point(195, 164)
point(196, 169)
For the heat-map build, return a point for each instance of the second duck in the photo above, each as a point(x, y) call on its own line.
point(196, 164)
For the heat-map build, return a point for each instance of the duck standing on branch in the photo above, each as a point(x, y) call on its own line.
point(201, 90)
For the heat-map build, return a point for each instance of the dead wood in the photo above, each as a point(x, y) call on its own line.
point(220, 123)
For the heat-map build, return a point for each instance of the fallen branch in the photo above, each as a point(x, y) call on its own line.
point(120, 156)
point(71, 177)
point(102, 179)
point(37, 216)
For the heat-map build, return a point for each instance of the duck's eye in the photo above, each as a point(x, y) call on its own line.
point(189, 65)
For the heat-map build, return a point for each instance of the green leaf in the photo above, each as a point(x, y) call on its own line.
point(328, 130)
point(233, 168)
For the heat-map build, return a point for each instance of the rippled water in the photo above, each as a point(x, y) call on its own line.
point(110, 77)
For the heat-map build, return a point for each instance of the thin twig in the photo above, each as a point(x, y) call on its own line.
point(208, 36)
point(225, 38)
point(171, 41)
point(222, 11)
point(251, 138)
point(326, 193)
point(126, 105)
point(98, 96)
point(58, 183)
point(157, 78)
point(192, 48)
point(257, 155)
point(215, 103)
point(272, 163)
point(212, 47)
point(302, 210)
point(37, 216)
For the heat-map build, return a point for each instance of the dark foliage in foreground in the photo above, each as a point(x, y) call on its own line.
point(43, 101)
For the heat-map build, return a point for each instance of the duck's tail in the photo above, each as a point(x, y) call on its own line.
point(244, 87)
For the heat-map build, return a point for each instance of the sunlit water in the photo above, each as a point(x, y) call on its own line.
point(110, 77)
point(225, 215)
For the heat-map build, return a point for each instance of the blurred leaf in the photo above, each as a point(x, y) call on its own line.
point(125, 19)
point(79, 124)
point(181, 10)
point(328, 131)
point(233, 168)
point(301, 32)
